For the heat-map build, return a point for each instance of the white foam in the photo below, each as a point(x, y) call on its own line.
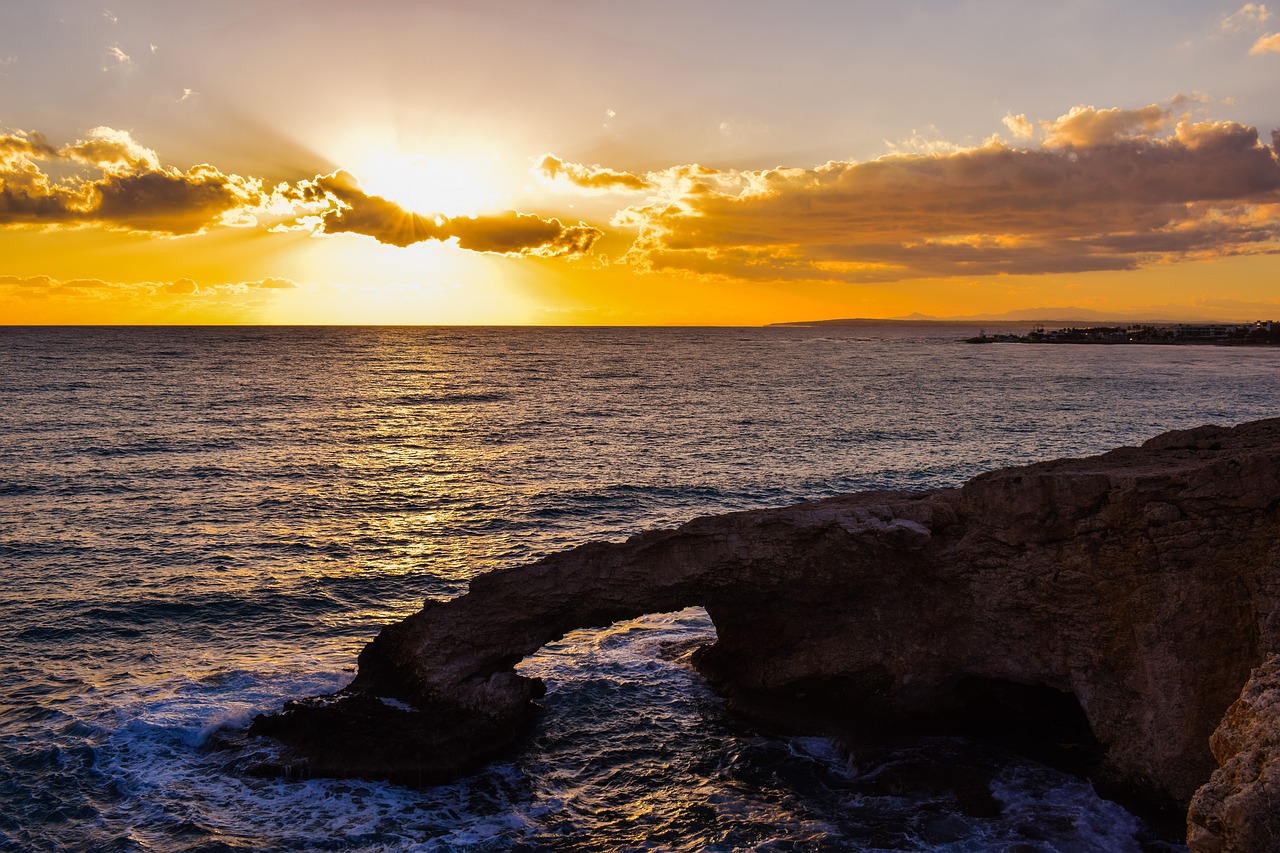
point(397, 704)
point(1033, 796)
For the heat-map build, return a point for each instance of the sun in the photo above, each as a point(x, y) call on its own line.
point(453, 186)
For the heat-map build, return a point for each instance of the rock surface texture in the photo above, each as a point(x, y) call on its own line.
point(1238, 810)
point(1138, 587)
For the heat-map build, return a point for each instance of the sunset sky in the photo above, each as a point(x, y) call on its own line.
point(636, 163)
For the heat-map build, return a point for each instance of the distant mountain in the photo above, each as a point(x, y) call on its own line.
point(1057, 314)
point(1063, 315)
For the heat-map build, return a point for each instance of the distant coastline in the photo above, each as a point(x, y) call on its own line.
point(1257, 333)
point(923, 321)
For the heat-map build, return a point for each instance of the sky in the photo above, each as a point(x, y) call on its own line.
point(605, 163)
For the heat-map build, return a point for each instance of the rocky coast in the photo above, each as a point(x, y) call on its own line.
point(1130, 598)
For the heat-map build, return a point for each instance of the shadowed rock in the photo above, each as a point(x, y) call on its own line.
point(1137, 589)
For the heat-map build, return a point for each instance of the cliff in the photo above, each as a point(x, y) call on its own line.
point(1132, 591)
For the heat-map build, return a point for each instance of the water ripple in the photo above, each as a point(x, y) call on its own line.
point(197, 524)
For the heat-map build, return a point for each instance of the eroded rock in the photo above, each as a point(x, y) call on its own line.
point(1139, 584)
point(1238, 809)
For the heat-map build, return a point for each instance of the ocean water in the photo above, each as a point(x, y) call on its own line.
point(197, 524)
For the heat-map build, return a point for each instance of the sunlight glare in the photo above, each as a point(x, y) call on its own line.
point(456, 186)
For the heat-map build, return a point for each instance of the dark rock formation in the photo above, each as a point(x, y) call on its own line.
point(1238, 809)
point(1136, 588)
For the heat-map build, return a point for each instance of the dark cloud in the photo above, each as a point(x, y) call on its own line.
point(373, 216)
point(134, 191)
point(163, 202)
point(507, 233)
point(1105, 194)
point(169, 202)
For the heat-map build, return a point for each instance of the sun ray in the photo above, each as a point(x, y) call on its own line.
point(450, 186)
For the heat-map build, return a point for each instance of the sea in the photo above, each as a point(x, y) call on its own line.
point(198, 524)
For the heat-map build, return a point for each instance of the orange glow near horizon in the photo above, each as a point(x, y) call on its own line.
point(331, 282)
point(397, 237)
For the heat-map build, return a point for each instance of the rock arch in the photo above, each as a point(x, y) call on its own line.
point(1142, 582)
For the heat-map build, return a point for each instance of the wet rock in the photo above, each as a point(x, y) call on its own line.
point(353, 734)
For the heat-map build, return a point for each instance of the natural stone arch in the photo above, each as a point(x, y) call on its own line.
point(1143, 582)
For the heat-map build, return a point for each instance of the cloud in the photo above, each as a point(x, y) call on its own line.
point(508, 233)
point(589, 177)
point(133, 190)
point(1019, 126)
point(35, 282)
point(1247, 16)
point(1267, 44)
point(16, 149)
point(1109, 189)
point(1088, 126)
point(920, 143)
point(514, 233)
point(110, 149)
point(1251, 16)
point(45, 299)
point(181, 288)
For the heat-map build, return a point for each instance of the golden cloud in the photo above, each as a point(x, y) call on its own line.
point(1019, 126)
point(508, 233)
point(1103, 192)
point(589, 177)
point(133, 191)
point(182, 288)
point(1267, 44)
point(1088, 126)
point(112, 150)
point(1248, 15)
point(44, 299)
